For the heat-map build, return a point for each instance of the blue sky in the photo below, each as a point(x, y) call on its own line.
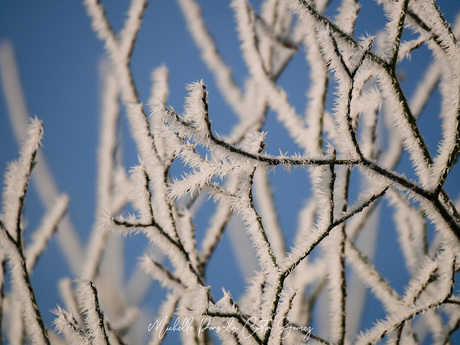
point(58, 56)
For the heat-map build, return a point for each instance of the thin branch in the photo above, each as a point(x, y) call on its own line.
point(23, 287)
point(43, 234)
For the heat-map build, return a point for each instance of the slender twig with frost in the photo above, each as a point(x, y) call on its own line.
point(11, 233)
point(46, 185)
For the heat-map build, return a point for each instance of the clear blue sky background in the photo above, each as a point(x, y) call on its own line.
point(58, 55)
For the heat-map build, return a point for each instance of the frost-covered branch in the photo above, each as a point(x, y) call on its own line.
point(11, 234)
point(361, 161)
